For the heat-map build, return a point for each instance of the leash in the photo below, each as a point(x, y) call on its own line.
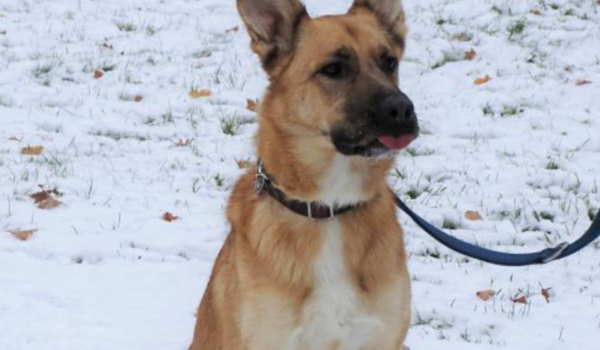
point(319, 211)
point(504, 259)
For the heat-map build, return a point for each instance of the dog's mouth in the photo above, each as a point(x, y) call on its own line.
point(383, 145)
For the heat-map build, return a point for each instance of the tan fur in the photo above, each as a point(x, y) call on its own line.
point(264, 277)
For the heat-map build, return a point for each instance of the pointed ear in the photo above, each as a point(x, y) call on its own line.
point(272, 25)
point(390, 14)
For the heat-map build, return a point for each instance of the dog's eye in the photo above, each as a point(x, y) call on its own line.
point(333, 70)
point(390, 63)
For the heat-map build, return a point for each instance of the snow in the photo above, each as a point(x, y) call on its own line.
point(104, 271)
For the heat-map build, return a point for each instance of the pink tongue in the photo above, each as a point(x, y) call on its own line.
point(396, 142)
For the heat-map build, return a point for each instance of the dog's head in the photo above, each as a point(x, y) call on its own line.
point(336, 76)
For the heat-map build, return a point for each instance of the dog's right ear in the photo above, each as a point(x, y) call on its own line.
point(272, 25)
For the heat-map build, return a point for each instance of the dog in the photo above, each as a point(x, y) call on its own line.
point(315, 257)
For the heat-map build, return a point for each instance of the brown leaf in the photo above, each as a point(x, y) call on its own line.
point(200, 93)
point(168, 217)
point(22, 235)
point(98, 74)
point(473, 215)
point(138, 98)
point(582, 81)
point(486, 295)
point(546, 294)
point(32, 150)
point(183, 143)
point(483, 80)
point(49, 203)
point(520, 300)
point(251, 105)
point(244, 163)
point(234, 29)
point(40, 196)
point(535, 12)
point(470, 55)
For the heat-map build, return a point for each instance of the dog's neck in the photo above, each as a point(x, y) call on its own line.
point(308, 168)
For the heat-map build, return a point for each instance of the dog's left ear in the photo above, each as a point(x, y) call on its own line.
point(390, 14)
point(272, 25)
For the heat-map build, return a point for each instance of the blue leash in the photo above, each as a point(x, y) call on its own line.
point(505, 259)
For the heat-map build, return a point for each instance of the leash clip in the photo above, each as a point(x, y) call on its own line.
point(559, 249)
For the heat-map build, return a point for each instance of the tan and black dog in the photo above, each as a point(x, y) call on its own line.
point(330, 125)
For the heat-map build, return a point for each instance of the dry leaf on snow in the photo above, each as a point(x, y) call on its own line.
point(22, 235)
point(200, 93)
point(535, 12)
point(45, 200)
point(483, 80)
point(473, 215)
point(251, 105)
point(486, 295)
point(546, 294)
point(168, 217)
point(49, 203)
point(138, 98)
point(582, 81)
point(98, 74)
point(32, 150)
point(183, 143)
point(470, 55)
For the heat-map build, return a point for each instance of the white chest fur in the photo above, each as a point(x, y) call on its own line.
point(334, 316)
point(341, 185)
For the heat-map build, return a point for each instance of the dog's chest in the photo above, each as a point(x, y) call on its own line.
point(334, 317)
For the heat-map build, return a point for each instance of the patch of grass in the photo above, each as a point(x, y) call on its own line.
point(592, 214)
point(516, 28)
point(511, 111)
point(151, 30)
point(547, 216)
point(219, 180)
point(126, 26)
point(554, 6)
point(414, 193)
point(43, 69)
point(487, 110)
point(450, 225)
point(552, 165)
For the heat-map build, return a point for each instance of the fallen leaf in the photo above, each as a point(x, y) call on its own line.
point(49, 203)
point(520, 300)
point(244, 163)
point(22, 235)
point(486, 295)
point(32, 150)
point(40, 196)
point(546, 294)
point(98, 74)
point(138, 98)
point(200, 93)
point(470, 55)
point(14, 138)
point(482, 80)
point(251, 105)
point(234, 29)
point(535, 12)
point(462, 37)
point(473, 215)
point(168, 217)
point(582, 81)
point(183, 143)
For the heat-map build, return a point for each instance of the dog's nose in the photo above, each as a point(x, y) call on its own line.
point(397, 109)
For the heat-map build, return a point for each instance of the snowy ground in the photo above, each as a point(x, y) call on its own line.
point(103, 270)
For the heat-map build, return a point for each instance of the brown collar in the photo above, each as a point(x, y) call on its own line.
point(311, 210)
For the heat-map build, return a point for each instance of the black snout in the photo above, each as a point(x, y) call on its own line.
point(395, 109)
